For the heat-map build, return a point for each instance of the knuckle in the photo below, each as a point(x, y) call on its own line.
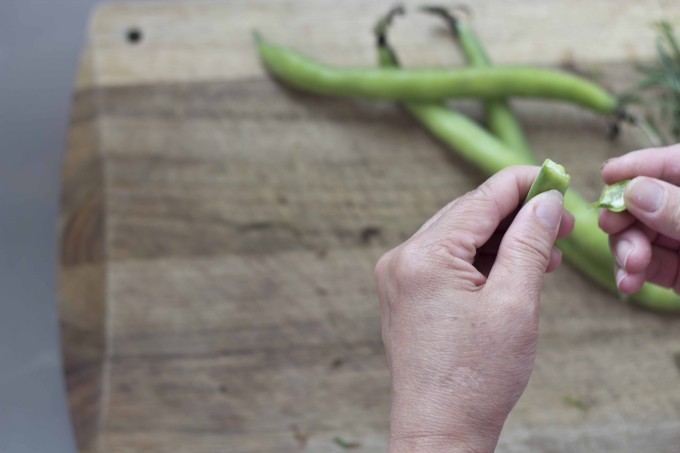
point(479, 194)
point(408, 264)
point(381, 266)
point(451, 205)
point(402, 272)
point(533, 252)
point(473, 210)
point(486, 194)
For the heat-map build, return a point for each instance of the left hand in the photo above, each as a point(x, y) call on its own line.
point(459, 304)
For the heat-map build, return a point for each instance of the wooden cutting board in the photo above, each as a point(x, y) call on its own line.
point(219, 232)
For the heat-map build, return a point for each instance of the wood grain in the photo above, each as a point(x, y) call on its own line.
point(82, 277)
point(219, 233)
point(206, 41)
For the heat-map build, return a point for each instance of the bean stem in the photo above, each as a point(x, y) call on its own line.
point(500, 118)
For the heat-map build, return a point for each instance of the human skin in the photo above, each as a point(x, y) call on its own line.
point(460, 307)
point(645, 239)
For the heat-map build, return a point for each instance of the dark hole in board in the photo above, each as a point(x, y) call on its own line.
point(134, 35)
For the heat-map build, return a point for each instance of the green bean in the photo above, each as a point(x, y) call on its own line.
point(657, 298)
point(552, 176)
point(612, 197)
point(601, 275)
point(499, 115)
point(431, 84)
point(503, 123)
point(471, 141)
point(587, 237)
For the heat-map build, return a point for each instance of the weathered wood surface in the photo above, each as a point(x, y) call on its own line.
point(219, 233)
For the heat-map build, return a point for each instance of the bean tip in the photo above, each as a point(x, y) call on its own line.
point(380, 28)
point(447, 14)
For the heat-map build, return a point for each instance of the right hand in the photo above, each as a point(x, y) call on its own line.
point(645, 239)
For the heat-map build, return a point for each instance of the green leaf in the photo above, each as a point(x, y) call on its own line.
point(666, 30)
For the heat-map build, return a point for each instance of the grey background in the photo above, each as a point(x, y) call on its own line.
point(40, 42)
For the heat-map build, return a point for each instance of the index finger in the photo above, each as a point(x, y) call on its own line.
point(660, 163)
point(471, 221)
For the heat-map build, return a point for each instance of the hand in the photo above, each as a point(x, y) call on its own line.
point(459, 304)
point(645, 239)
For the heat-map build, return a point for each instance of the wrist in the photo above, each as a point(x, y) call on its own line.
point(416, 426)
point(439, 443)
point(436, 443)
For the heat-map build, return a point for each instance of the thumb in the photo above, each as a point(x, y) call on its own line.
point(524, 253)
point(655, 203)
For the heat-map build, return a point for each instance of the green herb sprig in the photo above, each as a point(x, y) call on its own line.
point(660, 86)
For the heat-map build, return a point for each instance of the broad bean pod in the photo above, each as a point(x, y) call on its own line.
point(431, 85)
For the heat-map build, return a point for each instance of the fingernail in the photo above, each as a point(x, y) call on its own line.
point(623, 250)
point(646, 194)
point(604, 164)
point(620, 275)
point(549, 209)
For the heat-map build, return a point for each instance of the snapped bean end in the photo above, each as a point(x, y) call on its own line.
point(552, 176)
point(612, 197)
